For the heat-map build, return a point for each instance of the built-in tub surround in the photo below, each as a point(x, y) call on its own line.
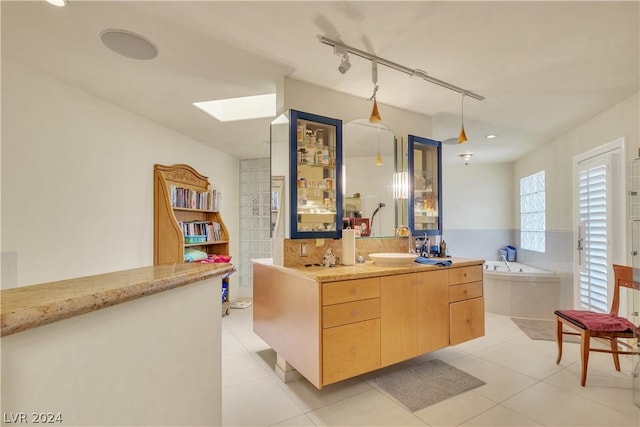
point(525, 291)
point(287, 252)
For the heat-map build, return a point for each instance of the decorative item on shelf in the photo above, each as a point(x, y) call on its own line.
point(462, 138)
point(466, 157)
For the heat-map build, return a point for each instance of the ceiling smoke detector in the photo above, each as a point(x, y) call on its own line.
point(129, 44)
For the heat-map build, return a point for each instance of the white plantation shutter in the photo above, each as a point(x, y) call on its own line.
point(593, 217)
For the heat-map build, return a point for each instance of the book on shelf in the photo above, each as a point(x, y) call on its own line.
point(186, 198)
point(210, 229)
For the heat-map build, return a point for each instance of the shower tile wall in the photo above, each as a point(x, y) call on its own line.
point(255, 195)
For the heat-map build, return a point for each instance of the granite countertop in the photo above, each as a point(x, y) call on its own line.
point(28, 307)
point(361, 271)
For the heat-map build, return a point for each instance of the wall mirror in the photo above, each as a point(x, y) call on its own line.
point(369, 159)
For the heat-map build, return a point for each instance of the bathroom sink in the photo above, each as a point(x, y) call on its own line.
point(393, 259)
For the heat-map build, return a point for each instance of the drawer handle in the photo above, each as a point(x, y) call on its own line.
point(464, 275)
point(353, 291)
point(354, 313)
point(354, 349)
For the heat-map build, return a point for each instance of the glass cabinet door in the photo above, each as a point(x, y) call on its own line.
point(634, 205)
point(425, 196)
point(316, 173)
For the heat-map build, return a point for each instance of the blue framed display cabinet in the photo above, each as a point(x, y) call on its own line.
point(425, 178)
point(315, 181)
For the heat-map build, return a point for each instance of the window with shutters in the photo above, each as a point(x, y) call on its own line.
point(593, 225)
point(532, 212)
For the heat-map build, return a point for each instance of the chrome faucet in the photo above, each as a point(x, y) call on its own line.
point(402, 231)
point(505, 261)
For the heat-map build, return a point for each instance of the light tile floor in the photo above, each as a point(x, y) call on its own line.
point(524, 386)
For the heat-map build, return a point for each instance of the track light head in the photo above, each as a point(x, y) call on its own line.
point(344, 64)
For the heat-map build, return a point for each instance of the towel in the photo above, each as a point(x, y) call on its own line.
point(434, 261)
point(604, 322)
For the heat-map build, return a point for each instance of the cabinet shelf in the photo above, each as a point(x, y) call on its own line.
point(215, 242)
point(192, 210)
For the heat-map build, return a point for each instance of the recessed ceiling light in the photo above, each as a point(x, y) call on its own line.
point(129, 44)
point(58, 3)
point(491, 136)
point(244, 108)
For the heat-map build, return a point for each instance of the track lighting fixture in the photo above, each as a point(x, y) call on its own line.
point(344, 64)
point(462, 138)
point(341, 48)
point(375, 115)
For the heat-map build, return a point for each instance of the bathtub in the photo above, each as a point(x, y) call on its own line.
point(525, 291)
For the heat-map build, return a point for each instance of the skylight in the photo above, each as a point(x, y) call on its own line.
point(244, 108)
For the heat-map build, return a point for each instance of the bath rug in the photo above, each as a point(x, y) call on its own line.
point(540, 329)
point(419, 385)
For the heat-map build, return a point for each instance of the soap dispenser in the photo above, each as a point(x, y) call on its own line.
point(443, 248)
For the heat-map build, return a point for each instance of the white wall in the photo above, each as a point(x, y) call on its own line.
point(621, 120)
point(556, 157)
point(77, 180)
point(477, 208)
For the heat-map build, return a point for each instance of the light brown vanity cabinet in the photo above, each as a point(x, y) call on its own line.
point(333, 330)
point(350, 328)
point(466, 304)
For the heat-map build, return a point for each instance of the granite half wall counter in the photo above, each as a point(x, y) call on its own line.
point(134, 347)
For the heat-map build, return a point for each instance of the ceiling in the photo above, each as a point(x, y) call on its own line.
point(543, 67)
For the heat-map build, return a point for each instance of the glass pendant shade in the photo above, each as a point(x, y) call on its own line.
point(378, 159)
point(375, 115)
point(462, 138)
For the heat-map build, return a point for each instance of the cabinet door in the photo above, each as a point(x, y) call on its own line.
point(433, 310)
point(398, 309)
point(316, 175)
point(350, 350)
point(466, 320)
point(425, 198)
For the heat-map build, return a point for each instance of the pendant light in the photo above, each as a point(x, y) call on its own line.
point(375, 115)
point(462, 138)
point(378, 156)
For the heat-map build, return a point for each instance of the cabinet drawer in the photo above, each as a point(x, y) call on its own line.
point(350, 312)
point(350, 290)
point(465, 291)
point(465, 274)
point(350, 350)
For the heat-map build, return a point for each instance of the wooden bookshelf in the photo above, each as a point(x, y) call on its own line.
point(169, 237)
point(182, 196)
